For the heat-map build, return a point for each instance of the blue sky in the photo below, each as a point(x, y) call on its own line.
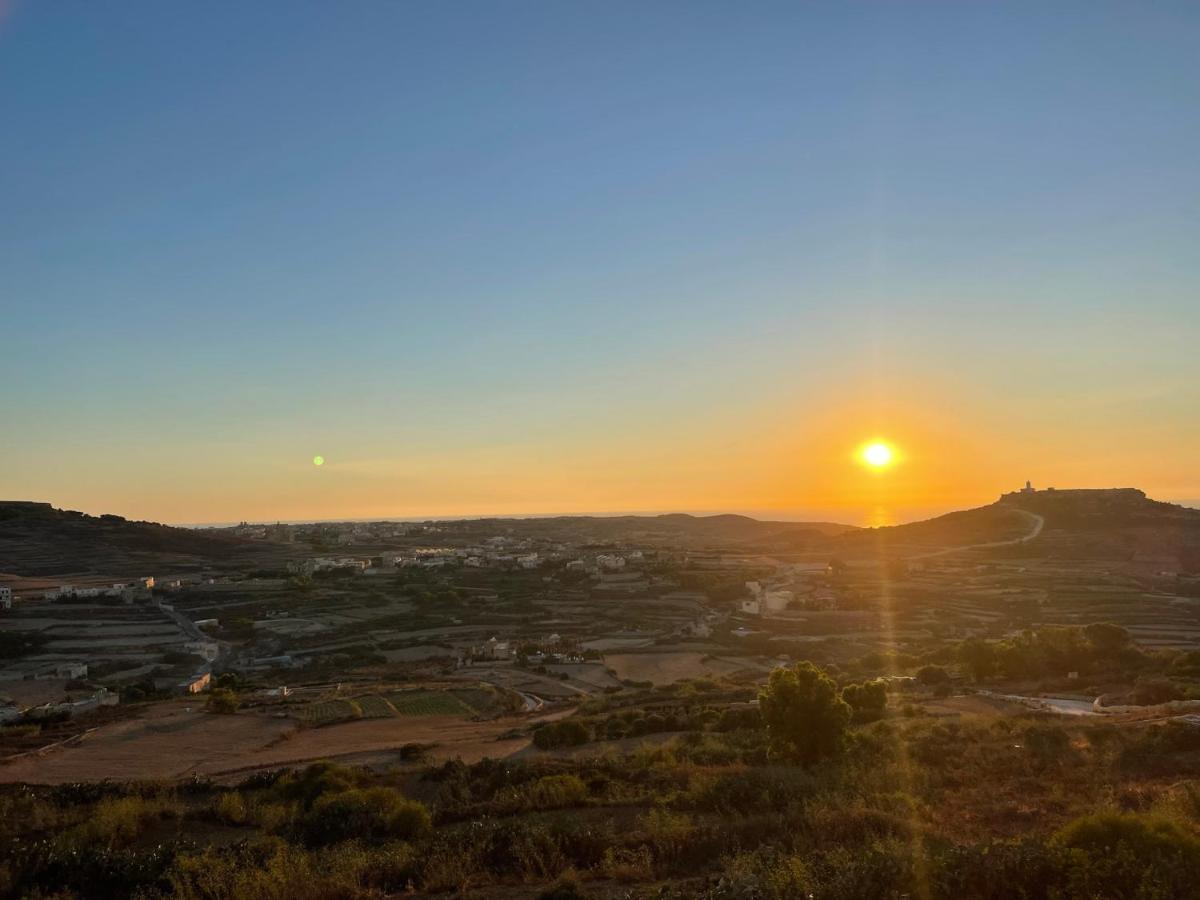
point(453, 244)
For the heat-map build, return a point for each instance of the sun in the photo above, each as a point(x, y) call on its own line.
point(877, 455)
point(318, 460)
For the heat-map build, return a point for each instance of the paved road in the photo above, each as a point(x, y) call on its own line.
point(1037, 523)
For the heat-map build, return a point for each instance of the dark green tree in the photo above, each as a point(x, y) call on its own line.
point(806, 717)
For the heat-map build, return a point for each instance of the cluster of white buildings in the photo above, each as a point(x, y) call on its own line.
point(10, 712)
point(128, 591)
point(327, 564)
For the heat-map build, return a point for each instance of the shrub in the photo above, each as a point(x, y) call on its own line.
point(568, 733)
point(371, 814)
point(230, 808)
point(931, 676)
point(1123, 855)
point(223, 701)
point(554, 791)
point(736, 718)
point(116, 821)
point(1047, 743)
point(868, 700)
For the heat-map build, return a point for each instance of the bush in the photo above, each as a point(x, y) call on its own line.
point(931, 676)
point(223, 701)
point(555, 791)
point(568, 733)
point(868, 700)
point(736, 718)
point(1122, 855)
point(1048, 743)
point(371, 815)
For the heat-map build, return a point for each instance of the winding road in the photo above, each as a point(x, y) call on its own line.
point(1037, 522)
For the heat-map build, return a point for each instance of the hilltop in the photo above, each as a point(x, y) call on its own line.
point(1117, 524)
point(37, 539)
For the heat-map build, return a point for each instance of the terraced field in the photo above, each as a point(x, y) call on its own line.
point(375, 706)
point(470, 702)
point(428, 703)
point(325, 712)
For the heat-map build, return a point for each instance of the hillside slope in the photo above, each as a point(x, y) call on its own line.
point(37, 539)
point(1117, 524)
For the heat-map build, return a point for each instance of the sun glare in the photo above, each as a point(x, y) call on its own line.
point(877, 455)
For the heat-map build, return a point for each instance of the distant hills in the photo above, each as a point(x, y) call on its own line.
point(37, 539)
point(1119, 524)
point(677, 529)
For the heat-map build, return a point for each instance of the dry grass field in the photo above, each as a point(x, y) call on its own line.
point(177, 739)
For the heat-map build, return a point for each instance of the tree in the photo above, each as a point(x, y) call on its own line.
point(1107, 638)
point(806, 718)
point(868, 700)
point(978, 657)
point(932, 676)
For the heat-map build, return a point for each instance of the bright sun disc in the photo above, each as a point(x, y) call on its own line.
point(877, 455)
point(318, 460)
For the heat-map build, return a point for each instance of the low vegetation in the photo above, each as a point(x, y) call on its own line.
point(816, 791)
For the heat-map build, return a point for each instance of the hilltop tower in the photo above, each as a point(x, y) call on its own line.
point(1028, 489)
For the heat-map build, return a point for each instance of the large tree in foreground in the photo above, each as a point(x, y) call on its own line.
point(806, 718)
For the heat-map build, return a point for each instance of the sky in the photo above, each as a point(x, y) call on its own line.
point(545, 257)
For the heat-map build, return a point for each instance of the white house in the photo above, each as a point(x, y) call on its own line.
point(5, 597)
point(749, 608)
point(498, 649)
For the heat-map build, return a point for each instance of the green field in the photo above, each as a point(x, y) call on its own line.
point(326, 711)
point(482, 701)
point(429, 703)
point(374, 706)
point(398, 703)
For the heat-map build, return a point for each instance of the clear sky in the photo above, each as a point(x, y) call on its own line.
point(556, 257)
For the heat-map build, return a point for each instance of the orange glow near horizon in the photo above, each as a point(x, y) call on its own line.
point(947, 451)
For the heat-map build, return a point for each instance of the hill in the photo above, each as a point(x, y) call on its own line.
point(1117, 524)
point(37, 539)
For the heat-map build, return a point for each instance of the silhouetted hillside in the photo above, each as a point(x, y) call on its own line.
point(1118, 524)
point(37, 539)
point(969, 527)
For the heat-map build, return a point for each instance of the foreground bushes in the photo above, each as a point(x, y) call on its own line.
point(372, 815)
